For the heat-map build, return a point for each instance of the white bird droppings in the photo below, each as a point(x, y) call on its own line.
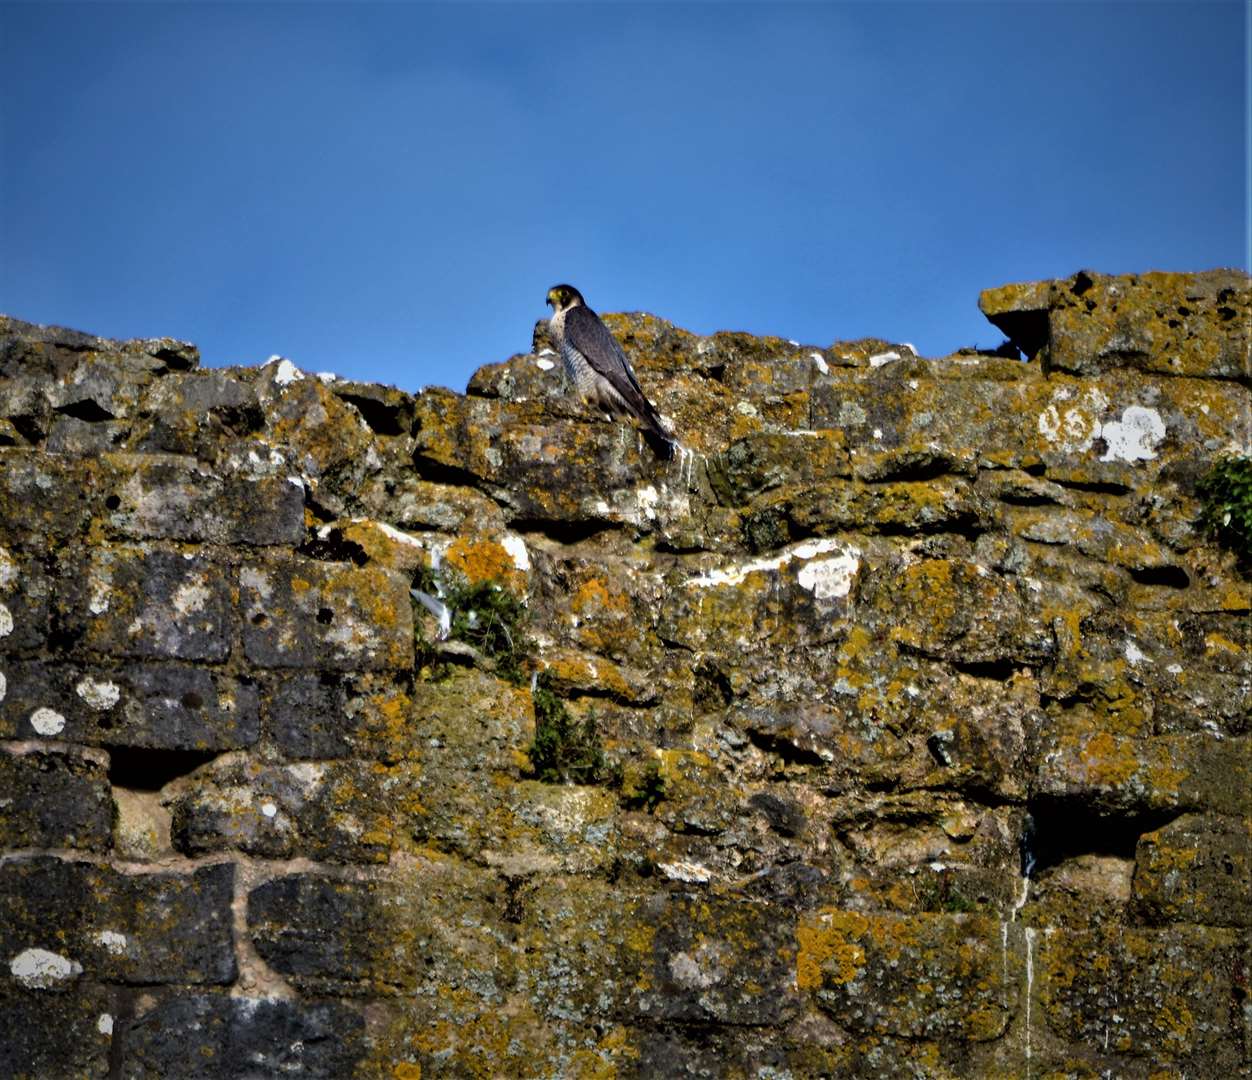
point(39, 969)
point(7, 570)
point(543, 363)
point(878, 359)
point(269, 809)
point(190, 597)
point(825, 578)
point(516, 547)
point(6, 621)
point(105, 1024)
point(47, 721)
point(398, 535)
point(112, 941)
point(819, 362)
point(1134, 654)
point(98, 695)
point(828, 579)
point(4, 685)
point(692, 873)
point(1135, 436)
point(287, 371)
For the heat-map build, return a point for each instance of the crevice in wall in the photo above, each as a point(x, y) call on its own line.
point(382, 419)
point(144, 768)
point(1057, 829)
point(1172, 577)
point(90, 411)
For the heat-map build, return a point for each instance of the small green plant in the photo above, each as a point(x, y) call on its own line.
point(566, 750)
point(1226, 493)
point(483, 614)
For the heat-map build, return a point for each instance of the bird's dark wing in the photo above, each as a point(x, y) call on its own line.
point(586, 333)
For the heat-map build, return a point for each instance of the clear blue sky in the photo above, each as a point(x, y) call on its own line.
point(388, 190)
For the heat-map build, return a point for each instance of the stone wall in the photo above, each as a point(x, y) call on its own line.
point(912, 709)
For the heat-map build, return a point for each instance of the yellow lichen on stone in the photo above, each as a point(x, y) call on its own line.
point(828, 948)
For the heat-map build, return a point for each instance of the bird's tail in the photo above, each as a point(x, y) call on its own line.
point(657, 434)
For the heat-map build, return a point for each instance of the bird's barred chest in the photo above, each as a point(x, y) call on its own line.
point(576, 367)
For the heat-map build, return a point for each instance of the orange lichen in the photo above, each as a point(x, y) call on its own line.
point(828, 949)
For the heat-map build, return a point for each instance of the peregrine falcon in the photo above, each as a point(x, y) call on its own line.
point(599, 369)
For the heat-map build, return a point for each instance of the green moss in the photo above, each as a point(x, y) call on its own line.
point(1226, 493)
point(483, 614)
point(566, 750)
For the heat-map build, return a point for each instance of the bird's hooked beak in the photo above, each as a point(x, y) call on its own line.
point(551, 301)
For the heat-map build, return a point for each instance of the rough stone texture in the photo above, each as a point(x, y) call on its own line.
point(55, 799)
point(117, 927)
point(922, 709)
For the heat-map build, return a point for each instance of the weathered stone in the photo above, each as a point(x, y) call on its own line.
point(129, 928)
point(1172, 324)
point(306, 614)
point(44, 498)
point(211, 1034)
point(54, 799)
point(160, 706)
point(921, 976)
point(71, 437)
point(1196, 869)
point(148, 603)
point(341, 812)
point(964, 614)
point(200, 409)
point(324, 715)
point(769, 460)
point(52, 1035)
point(54, 351)
point(330, 440)
point(1163, 995)
point(725, 963)
point(1170, 772)
point(916, 702)
point(158, 498)
point(366, 937)
point(26, 591)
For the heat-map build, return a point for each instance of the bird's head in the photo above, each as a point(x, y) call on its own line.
point(562, 297)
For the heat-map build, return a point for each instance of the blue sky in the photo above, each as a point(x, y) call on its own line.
point(388, 190)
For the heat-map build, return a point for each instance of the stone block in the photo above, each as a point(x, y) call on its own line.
point(1157, 995)
point(960, 612)
point(26, 591)
point(48, 1035)
point(154, 497)
point(916, 976)
point(54, 799)
point(710, 962)
point(1196, 869)
point(431, 927)
point(323, 934)
point(60, 919)
point(1122, 774)
point(300, 613)
point(324, 715)
point(230, 1036)
point(44, 498)
point(71, 436)
point(768, 460)
point(945, 504)
point(147, 603)
point(343, 811)
point(158, 706)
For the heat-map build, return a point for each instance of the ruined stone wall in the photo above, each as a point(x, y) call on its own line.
point(910, 706)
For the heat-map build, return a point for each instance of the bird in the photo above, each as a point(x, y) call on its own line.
point(598, 368)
